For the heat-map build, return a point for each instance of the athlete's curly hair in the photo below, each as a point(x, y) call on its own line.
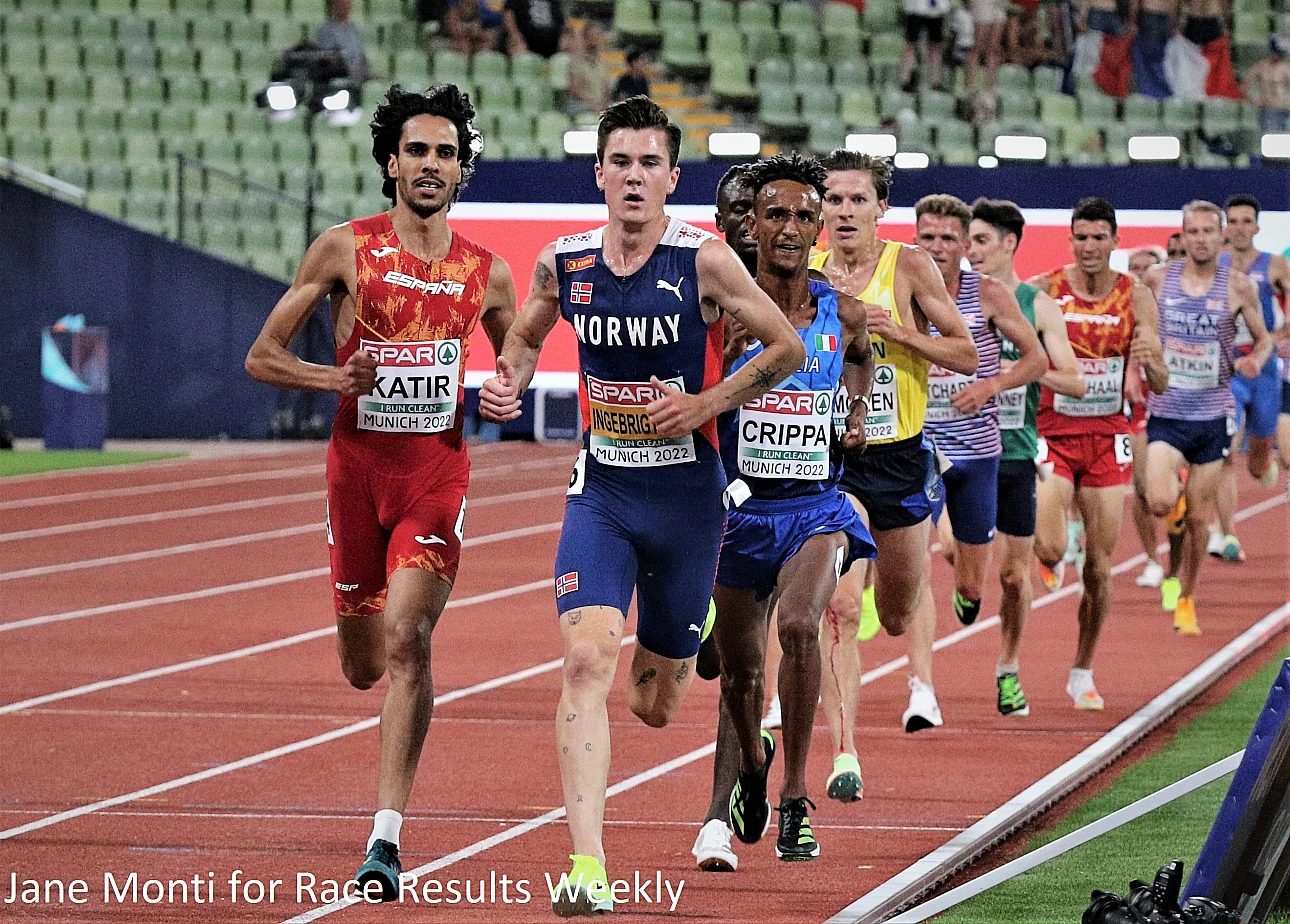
point(444, 100)
point(796, 167)
point(735, 176)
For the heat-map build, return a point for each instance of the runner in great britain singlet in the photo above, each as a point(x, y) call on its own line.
point(644, 512)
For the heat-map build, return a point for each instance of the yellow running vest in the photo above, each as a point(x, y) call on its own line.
point(898, 400)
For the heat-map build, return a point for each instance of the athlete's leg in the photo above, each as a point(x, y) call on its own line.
point(593, 637)
point(360, 642)
point(945, 536)
point(1102, 509)
point(1143, 521)
point(1014, 606)
point(1203, 485)
point(922, 627)
point(725, 765)
point(1054, 496)
point(741, 640)
point(1227, 497)
point(1164, 484)
point(897, 584)
point(840, 658)
point(806, 582)
point(774, 655)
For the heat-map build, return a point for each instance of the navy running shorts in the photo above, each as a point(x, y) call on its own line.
point(761, 537)
point(1258, 401)
point(665, 550)
point(1199, 441)
point(896, 482)
point(1017, 498)
point(972, 498)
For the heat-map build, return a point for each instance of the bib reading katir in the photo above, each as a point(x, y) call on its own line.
point(621, 431)
point(785, 434)
point(1105, 378)
point(416, 386)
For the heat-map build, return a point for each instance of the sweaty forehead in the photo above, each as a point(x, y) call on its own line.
point(789, 194)
point(941, 225)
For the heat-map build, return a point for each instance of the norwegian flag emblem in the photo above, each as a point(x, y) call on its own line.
point(580, 294)
point(566, 583)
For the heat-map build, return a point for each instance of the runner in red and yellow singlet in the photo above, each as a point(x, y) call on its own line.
point(1110, 319)
point(406, 294)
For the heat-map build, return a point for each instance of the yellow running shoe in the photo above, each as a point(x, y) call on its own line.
point(1170, 589)
point(1185, 617)
point(710, 621)
point(584, 891)
point(869, 624)
point(1176, 520)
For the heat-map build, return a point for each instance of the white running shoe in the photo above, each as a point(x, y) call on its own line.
point(712, 848)
point(1269, 479)
point(923, 711)
point(773, 718)
point(1081, 689)
point(1151, 575)
point(1215, 545)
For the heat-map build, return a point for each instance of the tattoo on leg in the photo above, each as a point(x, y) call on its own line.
point(564, 750)
point(575, 617)
point(571, 716)
point(682, 672)
point(646, 676)
point(588, 745)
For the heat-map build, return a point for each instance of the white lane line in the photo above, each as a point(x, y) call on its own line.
point(189, 484)
point(239, 653)
point(240, 586)
point(162, 515)
point(268, 535)
point(284, 750)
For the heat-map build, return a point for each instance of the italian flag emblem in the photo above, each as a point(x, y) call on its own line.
point(826, 343)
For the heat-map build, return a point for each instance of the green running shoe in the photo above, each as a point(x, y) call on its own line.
point(708, 665)
point(869, 624)
point(584, 891)
point(1012, 700)
point(966, 610)
point(1170, 591)
point(381, 865)
point(795, 841)
point(845, 783)
point(749, 805)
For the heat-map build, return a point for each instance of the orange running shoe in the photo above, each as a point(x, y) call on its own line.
point(1052, 577)
point(1185, 617)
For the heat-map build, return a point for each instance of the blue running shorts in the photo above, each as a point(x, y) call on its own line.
point(972, 498)
point(1199, 441)
point(1258, 402)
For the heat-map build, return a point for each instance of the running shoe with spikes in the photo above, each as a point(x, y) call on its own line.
point(1151, 576)
point(1084, 693)
point(845, 783)
point(749, 805)
point(1232, 551)
point(774, 717)
point(584, 891)
point(1170, 589)
point(924, 711)
point(1185, 617)
point(381, 865)
point(1012, 699)
point(712, 850)
point(869, 622)
point(1052, 577)
point(966, 609)
point(796, 842)
point(708, 665)
point(1215, 544)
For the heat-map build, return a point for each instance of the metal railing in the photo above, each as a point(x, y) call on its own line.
point(29, 176)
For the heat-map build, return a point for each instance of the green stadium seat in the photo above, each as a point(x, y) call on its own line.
point(170, 30)
point(677, 14)
point(29, 87)
point(69, 88)
point(549, 129)
point(60, 56)
point(174, 120)
point(57, 28)
point(110, 177)
point(826, 134)
point(1078, 137)
point(893, 102)
point(226, 91)
point(1047, 79)
point(634, 21)
point(68, 116)
point(859, 109)
point(249, 122)
point(177, 59)
point(715, 16)
point(809, 74)
point(774, 72)
point(114, 7)
point(209, 121)
point(819, 103)
point(1219, 116)
point(147, 89)
point(850, 74)
point(143, 149)
point(778, 110)
point(1096, 108)
point(223, 239)
point(257, 148)
point(1057, 109)
point(139, 58)
point(20, 27)
point(94, 30)
point(528, 66)
point(30, 149)
point(840, 48)
point(803, 43)
point(260, 236)
point(22, 55)
point(101, 58)
point(724, 45)
point(271, 9)
point(884, 55)
point(936, 107)
point(292, 149)
point(955, 133)
point(495, 94)
point(99, 119)
point(255, 62)
point(1013, 78)
point(681, 51)
point(754, 15)
point(1142, 113)
point(245, 33)
point(1116, 145)
point(138, 119)
point(729, 82)
point(840, 19)
point(284, 33)
point(189, 8)
point(219, 61)
point(450, 67)
point(411, 67)
point(795, 16)
point(146, 207)
point(131, 30)
point(20, 118)
point(76, 172)
point(70, 7)
point(188, 90)
point(535, 97)
point(1019, 106)
point(106, 202)
point(762, 43)
point(881, 16)
point(258, 211)
point(490, 65)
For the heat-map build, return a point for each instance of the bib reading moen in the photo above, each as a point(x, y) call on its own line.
point(621, 432)
point(785, 434)
point(416, 386)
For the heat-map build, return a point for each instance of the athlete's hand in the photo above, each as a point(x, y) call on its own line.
point(880, 322)
point(1145, 350)
point(675, 412)
point(499, 397)
point(971, 399)
point(1134, 388)
point(854, 438)
point(358, 375)
point(1247, 367)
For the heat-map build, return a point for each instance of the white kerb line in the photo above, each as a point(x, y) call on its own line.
point(1070, 841)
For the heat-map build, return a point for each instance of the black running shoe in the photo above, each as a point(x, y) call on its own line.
point(382, 865)
point(749, 805)
point(795, 841)
point(966, 610)
point(708, 666)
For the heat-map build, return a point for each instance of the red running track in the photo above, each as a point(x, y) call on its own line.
point(265, 760)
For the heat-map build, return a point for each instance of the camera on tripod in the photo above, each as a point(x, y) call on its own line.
point(1157, 903)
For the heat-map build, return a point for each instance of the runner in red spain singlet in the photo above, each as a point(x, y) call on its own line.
point(406, 294)
point(1110, 319)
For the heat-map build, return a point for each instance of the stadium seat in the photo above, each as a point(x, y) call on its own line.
point(147, 88)
point(1141, 113)
point(803, 43)
point(850, 74)
point(1013, 78)
point(841, 48)
point(724, 45)
point(676, 14)
point(715, 15)
point(58, 56)
point(936, 107)
point(755, 15)
point(101, 58)
point(839, 19)
point(167, 29)
point(859, 109)
point(826, 134)
point(762, 43)
point(24, 118)
point(881, 16)
point(535, 97)
point(809, 74)
point(95, 30)
point(884, 56)
point(138, 119)
point(915, 135)
point(1076, 138)
point(778, 110)
point(634, 21)
point(729, 82)
point(411, 67)
point(681, 51)
point(818, 103)
point(528, 66)
point(1057, 109)
point(954, 133)
point(549, 132)
point(1017, 105)
point(1096, 108)
point(218, 61)
point(893, 102)
point(69, 88)
point(226, 91)
point(490, 65)
point(245, 33)
point(1219, 116)
point(210, 32)
point(188, 90)
point(97, 119)
point(73, 171)
point(450, 67)
point(774, 72)
point(131, 30)
point(143, 149)
point(139, 58)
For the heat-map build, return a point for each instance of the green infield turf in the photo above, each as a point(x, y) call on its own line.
point(1057, 892)
point(26, 462)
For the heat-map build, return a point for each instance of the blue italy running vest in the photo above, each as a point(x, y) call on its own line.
point(1272, 316)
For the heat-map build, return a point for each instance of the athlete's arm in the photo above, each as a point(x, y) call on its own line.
point(999, 306)
point(1245, 298)
point(724, 282)
point(953, 349)
point(1146, 348)
point(1279, 277)
point(498, 313)
point(499, 396)
point(328, 269)
point(1064, 377)
point(736, 344)
point(857, 368)
point(1041, 282)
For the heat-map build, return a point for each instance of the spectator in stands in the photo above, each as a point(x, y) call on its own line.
point(1157, 23)
point(1267, 85)
point(1205, 22)
point(988, 17)
point(634, 82)
point(589, 79)
point(468, 29)
point(924, 19)
point(338, 34)
point(533, 25)
point(1058, 13)
point(1021, 40)
point(1174, 249)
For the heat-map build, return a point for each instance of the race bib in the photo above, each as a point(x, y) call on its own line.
point(578, 479)
point(841, 410)
point(416, 386)
point(1123, 449)
point(1192, 366)
point(1012, 408)
point(785, 434)
point(1105, 378)
point(881, 421)
point(621, 432)
point(942, 386)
